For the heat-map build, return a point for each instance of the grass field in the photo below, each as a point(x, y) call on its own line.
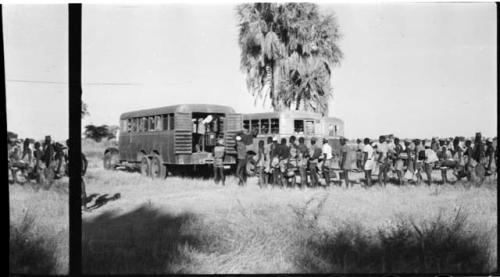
point(39, 220)
point(191, 225)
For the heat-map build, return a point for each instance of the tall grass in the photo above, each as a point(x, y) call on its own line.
point(195, 226)
point(39, 219)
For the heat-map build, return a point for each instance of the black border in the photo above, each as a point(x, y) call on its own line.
point(74, 149)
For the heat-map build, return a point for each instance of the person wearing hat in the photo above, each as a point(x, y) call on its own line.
point(327, 153)
point(242, 161)
point(219, 153)
point(314, 154)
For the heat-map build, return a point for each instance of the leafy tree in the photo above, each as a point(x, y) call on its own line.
point(287, 53)
point(97, 133)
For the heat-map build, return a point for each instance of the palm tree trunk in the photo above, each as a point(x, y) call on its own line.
point(269, 80)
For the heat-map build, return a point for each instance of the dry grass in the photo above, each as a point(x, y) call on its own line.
point(183, 225)
point(39, 238)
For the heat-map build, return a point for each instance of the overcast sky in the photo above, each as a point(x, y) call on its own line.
point(420, 70)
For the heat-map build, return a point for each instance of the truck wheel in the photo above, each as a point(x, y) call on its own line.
point(110, 160)
point(158, 169)
point(145, 166)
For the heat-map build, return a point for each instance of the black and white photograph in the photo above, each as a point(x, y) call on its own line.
point(255, 137)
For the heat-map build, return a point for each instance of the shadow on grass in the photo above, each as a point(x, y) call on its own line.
point(30, 253)
point(437, 246)
point(143, 241)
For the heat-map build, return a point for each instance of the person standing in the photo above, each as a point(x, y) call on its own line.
point(261, 163)
point(314, 154)
point(368, 161)
point(490, 152)
point(283, 156)
point(359, 154)
point(383, 160)
point(345, 160)
point(275, 162)
point(398, 158)
point(267, 152)
point(241, 149)
point(48, 151)
point(326, 151)
point(419, 159)
point(430, 159)
point(219, 154)
point(303, 154)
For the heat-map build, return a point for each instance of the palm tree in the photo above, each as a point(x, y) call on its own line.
point(287, 52)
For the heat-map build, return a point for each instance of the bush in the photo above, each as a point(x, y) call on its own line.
point(431, 246)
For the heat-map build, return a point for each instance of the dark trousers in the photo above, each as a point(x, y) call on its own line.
point(303, 176)
point(219, 174)
point(314, 174)
point(261, 175)
point(241, 171)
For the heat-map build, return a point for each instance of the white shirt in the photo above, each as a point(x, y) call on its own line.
point(368, 149)
point(327, 149)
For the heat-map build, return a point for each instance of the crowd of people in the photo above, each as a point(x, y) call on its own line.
point(290, 163)
point(36, 160)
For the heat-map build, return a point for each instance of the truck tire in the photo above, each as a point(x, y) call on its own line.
point(145, 166)
point(111, 159)
point(158, 169)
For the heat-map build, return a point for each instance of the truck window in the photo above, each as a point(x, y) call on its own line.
point(129, 125)
point(152, 126)
point(255, 126)
point(158, 123)
point(275, 126)
point(144, 124)
point(171, 122)
point(246, 125)
point(298, 126)
point(264, 126)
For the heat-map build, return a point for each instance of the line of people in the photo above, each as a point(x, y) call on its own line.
point(473, 160)
point(292, 163)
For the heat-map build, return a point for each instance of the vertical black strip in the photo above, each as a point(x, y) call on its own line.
point(75, 160)
point(3, 120)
